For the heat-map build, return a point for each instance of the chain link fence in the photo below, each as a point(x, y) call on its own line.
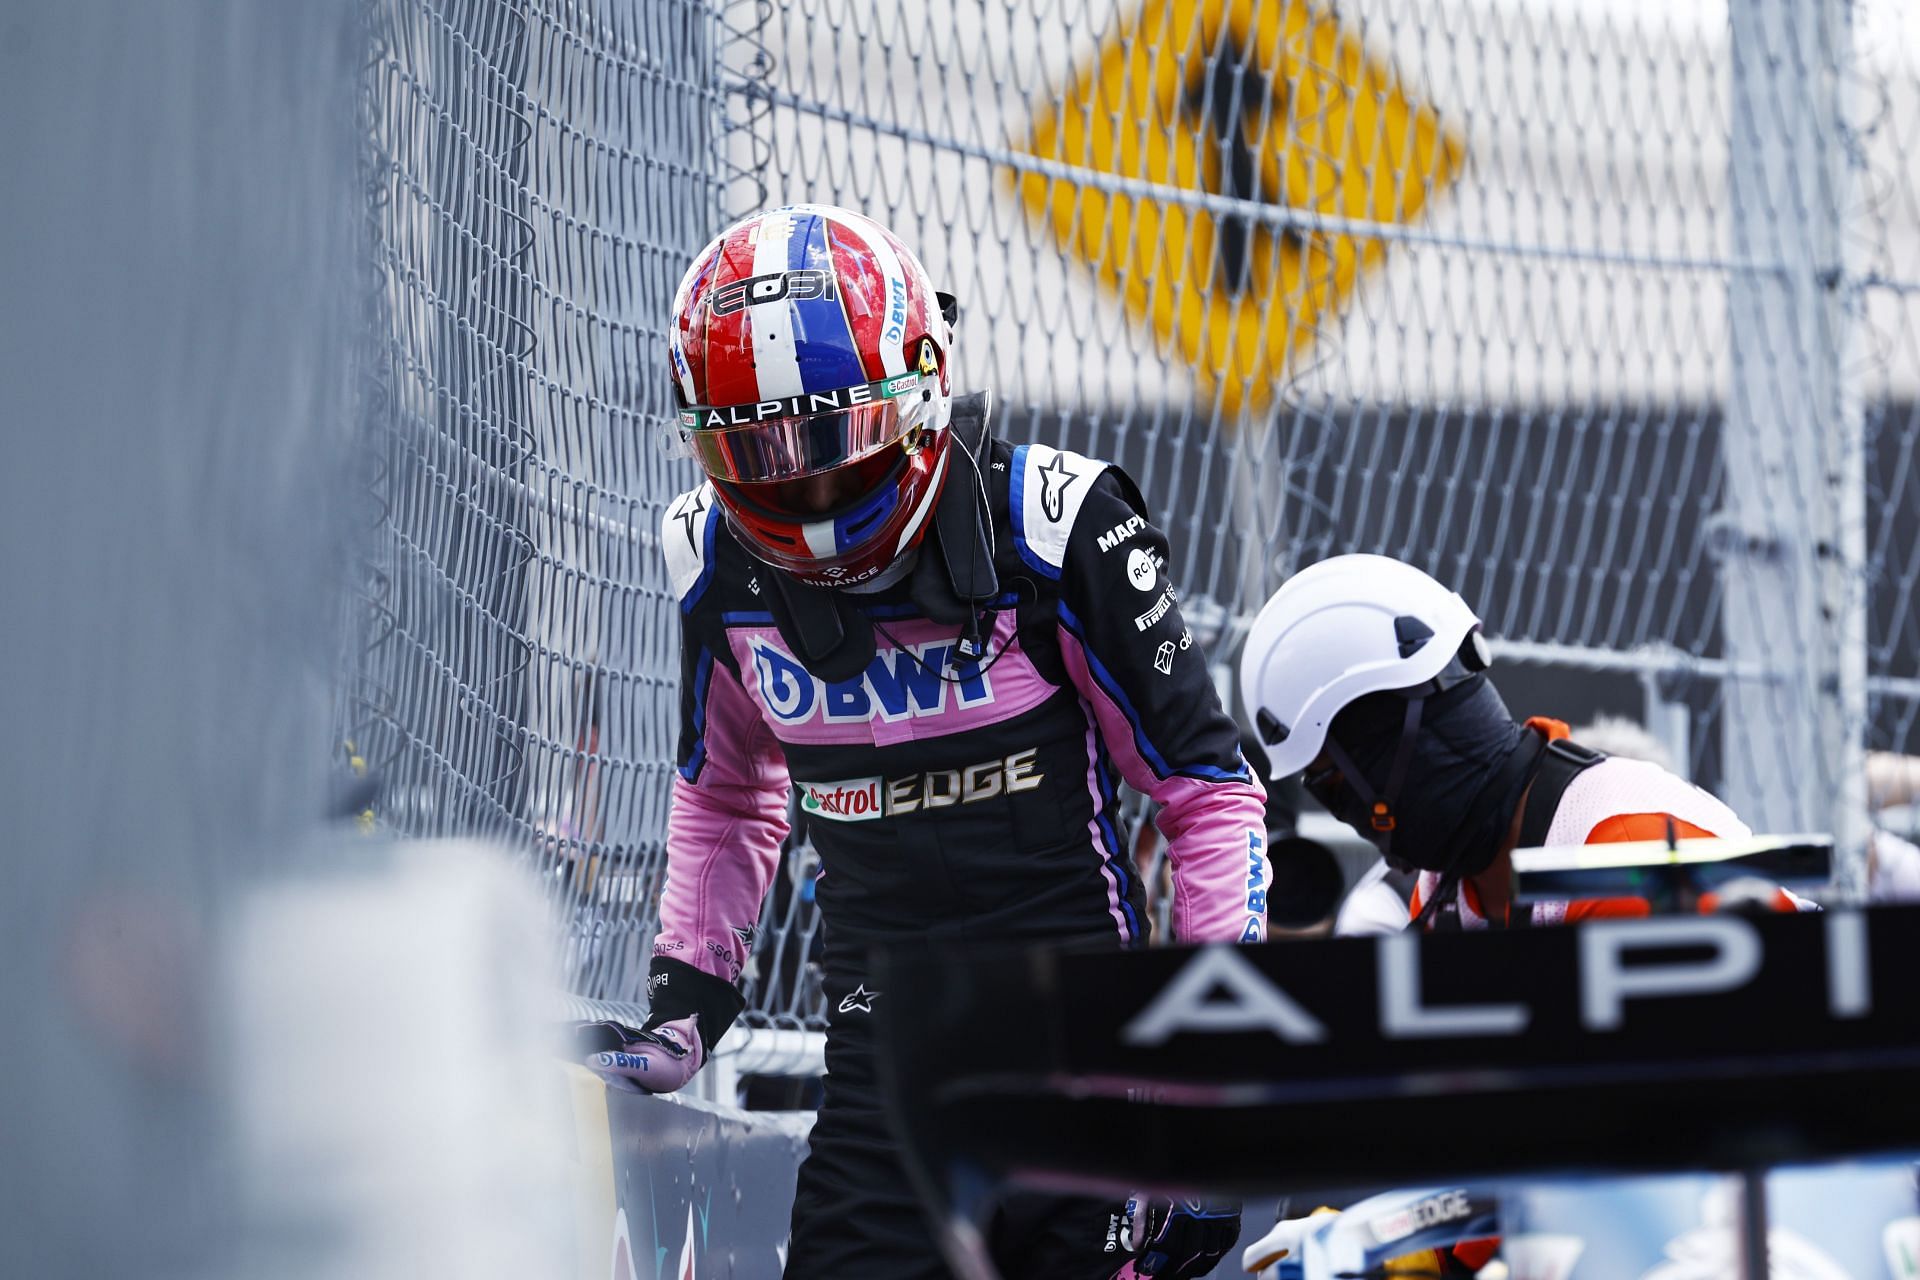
point(1604, 313)
point(537, 177)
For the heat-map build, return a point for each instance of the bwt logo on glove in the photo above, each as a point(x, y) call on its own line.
point(642, 1060)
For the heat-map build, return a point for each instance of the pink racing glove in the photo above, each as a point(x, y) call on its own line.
point(658, 1059)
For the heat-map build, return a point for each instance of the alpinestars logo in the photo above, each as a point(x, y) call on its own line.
point(692, 516)
point(1055, 477)
point(859, 1000)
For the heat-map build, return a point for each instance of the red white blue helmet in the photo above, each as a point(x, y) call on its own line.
point(813, 364)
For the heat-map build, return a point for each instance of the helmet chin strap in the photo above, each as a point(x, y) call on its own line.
point(1380, 804)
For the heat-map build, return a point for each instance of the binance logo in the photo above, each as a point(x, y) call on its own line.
point(1269, 101)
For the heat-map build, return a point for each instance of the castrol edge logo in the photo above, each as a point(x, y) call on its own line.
point(864, 799)
point(855, 800)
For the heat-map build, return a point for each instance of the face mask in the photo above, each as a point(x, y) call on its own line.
point(1460, 775)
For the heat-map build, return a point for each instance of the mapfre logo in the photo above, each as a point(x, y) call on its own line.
point(897, 685)
point(1119, 534)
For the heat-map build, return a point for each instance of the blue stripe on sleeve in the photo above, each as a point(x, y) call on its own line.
point(1148, 752)
point(1018, 497)
point(707, 539)
point(702, 680)
point(1115, 847)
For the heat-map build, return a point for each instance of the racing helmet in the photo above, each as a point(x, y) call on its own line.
point(1339, 630)
point(813, 365)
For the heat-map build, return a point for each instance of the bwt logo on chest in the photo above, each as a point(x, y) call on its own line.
point(897, 684)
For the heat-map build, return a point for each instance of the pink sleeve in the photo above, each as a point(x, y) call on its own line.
point(728, 818)
point(1214, 823)
point(1216, 840)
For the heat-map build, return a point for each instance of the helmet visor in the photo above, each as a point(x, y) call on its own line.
point(802, 435)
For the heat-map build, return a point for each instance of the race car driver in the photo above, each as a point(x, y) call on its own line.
point(953, 649)
point(1370, 676)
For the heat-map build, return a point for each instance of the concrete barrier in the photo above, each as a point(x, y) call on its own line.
point(681, 1188)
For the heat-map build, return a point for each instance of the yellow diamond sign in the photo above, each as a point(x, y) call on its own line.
point(1273, 102)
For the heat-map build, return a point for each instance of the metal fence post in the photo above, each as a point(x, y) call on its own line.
point(1793, 535)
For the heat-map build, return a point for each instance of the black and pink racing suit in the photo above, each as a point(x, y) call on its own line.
point(947, 798)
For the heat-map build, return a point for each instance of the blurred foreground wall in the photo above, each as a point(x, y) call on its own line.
point(177, 268)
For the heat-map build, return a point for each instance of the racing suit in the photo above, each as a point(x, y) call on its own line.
point(948, 797)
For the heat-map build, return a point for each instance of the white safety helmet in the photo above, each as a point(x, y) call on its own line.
point(1337, 631)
